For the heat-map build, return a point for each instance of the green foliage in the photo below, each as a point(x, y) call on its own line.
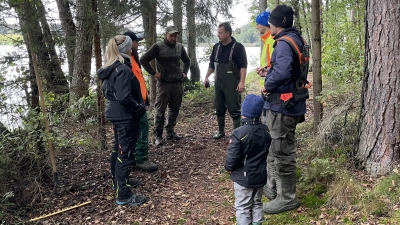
point(5, 202)
point(247, 34)
point(197, 93)
point(85, 108)
point(343, 46)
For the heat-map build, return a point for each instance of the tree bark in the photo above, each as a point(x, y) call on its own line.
point(149, 16)
point(191, 26)
point(83, 50)
point(262, 5)
point(177, 18)
point(379, 124)
point(296, 9)
point(316, 62)
point(69, 28)
point(101, 121)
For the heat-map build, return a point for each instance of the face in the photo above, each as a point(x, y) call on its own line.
point(263, 29)
point(171, 38)
point(135, 45)
point(222, 34)
point(274, 31)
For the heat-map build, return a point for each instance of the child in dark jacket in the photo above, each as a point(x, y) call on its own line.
point(246, 162)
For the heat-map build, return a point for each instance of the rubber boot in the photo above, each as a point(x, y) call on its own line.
point(221, 127)
point(286, 195)
point(269, 188)
point(236, 122)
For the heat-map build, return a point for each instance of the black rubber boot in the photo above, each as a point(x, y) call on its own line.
point(221, 128)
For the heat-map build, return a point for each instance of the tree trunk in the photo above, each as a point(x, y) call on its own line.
point(83, 50)
point(316, 62)
point(191, 26)
point(177, 17)
point(149, 16)
point(379, 126)
point(296, 8)
point(276, 3)
point(101, 121)
point(68, 26)
point(307, 24)
point(262, 5)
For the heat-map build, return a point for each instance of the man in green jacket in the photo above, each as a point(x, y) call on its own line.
point(169, 55)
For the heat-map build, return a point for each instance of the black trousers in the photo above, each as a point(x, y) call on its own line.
point(126, 133)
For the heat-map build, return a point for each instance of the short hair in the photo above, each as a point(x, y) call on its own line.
point(227, 27)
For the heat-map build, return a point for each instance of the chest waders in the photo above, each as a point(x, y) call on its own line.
point(227, 77)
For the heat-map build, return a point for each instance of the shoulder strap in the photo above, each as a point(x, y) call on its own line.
point(293, 45)
point(231, 53)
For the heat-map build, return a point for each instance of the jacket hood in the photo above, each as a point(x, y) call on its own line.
point(104, 73)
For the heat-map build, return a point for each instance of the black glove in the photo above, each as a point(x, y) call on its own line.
point(139, 110)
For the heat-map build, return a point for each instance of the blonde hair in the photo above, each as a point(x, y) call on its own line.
point(112, 52)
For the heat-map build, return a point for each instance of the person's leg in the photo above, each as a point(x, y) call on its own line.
point(142, 147)
point(269, 189)
point(113, 158)
point(174, 105)
point(127, 131)
point(282, 131)
point(220, 110)
point(233, 101)
point(257, 214)
point(163, 95)
point(243, 204)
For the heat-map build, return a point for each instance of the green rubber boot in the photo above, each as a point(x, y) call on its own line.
point(286, 195)
point(269, 188)
point(221, 127)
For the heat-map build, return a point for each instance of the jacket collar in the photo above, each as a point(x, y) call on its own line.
point(250, 121)
point(168, 43)
point(265, 36)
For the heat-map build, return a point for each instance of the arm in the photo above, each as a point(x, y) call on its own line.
point(123, 92)
point(241, 62)
point(211, 67)
point(186, 61)
point(151, 54)
point(209, 72)
point(281, 69)
point(233, 156)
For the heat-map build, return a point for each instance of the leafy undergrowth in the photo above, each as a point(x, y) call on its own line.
point(192, 187)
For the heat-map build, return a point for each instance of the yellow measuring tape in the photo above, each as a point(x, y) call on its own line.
point(62, 210)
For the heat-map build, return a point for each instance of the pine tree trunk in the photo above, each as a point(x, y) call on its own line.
point(316, 62)
point(68, 26)
point(177, 18)
point(191, 26)
point(101, 121)
point(296, 7)
point(379, 127)
point(149, 16)
point(307, 24)
point(83, 50)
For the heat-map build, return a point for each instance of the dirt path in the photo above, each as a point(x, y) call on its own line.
point(191, 186)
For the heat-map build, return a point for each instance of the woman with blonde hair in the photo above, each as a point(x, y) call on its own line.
point(124, 108)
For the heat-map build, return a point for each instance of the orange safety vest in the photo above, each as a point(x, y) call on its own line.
point(138, 73)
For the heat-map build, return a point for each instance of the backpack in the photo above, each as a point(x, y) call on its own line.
point(304, 56)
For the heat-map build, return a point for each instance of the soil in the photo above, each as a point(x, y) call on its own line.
point(190, 187)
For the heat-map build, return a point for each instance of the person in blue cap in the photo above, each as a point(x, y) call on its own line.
point(246, 162)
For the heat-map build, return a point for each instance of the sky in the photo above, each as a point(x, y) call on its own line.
point(240, 14)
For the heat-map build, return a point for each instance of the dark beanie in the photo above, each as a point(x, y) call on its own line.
point(252, 106)
point(282, 16)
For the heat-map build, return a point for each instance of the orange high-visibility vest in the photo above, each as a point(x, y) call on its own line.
point(138, 73)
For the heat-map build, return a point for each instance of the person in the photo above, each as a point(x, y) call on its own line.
point(281, 81)
point(169, 75)
point(246, 161)
point(265, 62)
point(229, 61)
point(142, 145)
point(124, 108)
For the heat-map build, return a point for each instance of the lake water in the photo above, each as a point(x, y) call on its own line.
point(15, 98)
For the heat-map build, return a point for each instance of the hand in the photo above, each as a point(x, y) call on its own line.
point(240, 87)
point(184, 75)
point(157, 76)
point(206, 82)
point(230, 172)
point(139, 110)
point(262, 71)
point(264, 91)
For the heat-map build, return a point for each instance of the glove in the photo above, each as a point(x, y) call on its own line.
point(139, 110)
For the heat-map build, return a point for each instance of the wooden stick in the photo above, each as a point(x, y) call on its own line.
point(43, 109)
point(60, 211)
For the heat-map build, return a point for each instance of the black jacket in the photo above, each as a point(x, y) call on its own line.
point(122, 91)
point(247, 154)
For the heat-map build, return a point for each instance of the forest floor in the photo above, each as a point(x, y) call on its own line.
point(191, 186)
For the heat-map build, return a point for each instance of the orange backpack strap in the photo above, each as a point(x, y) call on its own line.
point(293, 44)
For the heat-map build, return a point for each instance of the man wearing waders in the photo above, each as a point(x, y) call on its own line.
point(286, 92)
point(229, 61)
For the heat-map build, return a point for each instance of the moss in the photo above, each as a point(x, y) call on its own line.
point(312, 201)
